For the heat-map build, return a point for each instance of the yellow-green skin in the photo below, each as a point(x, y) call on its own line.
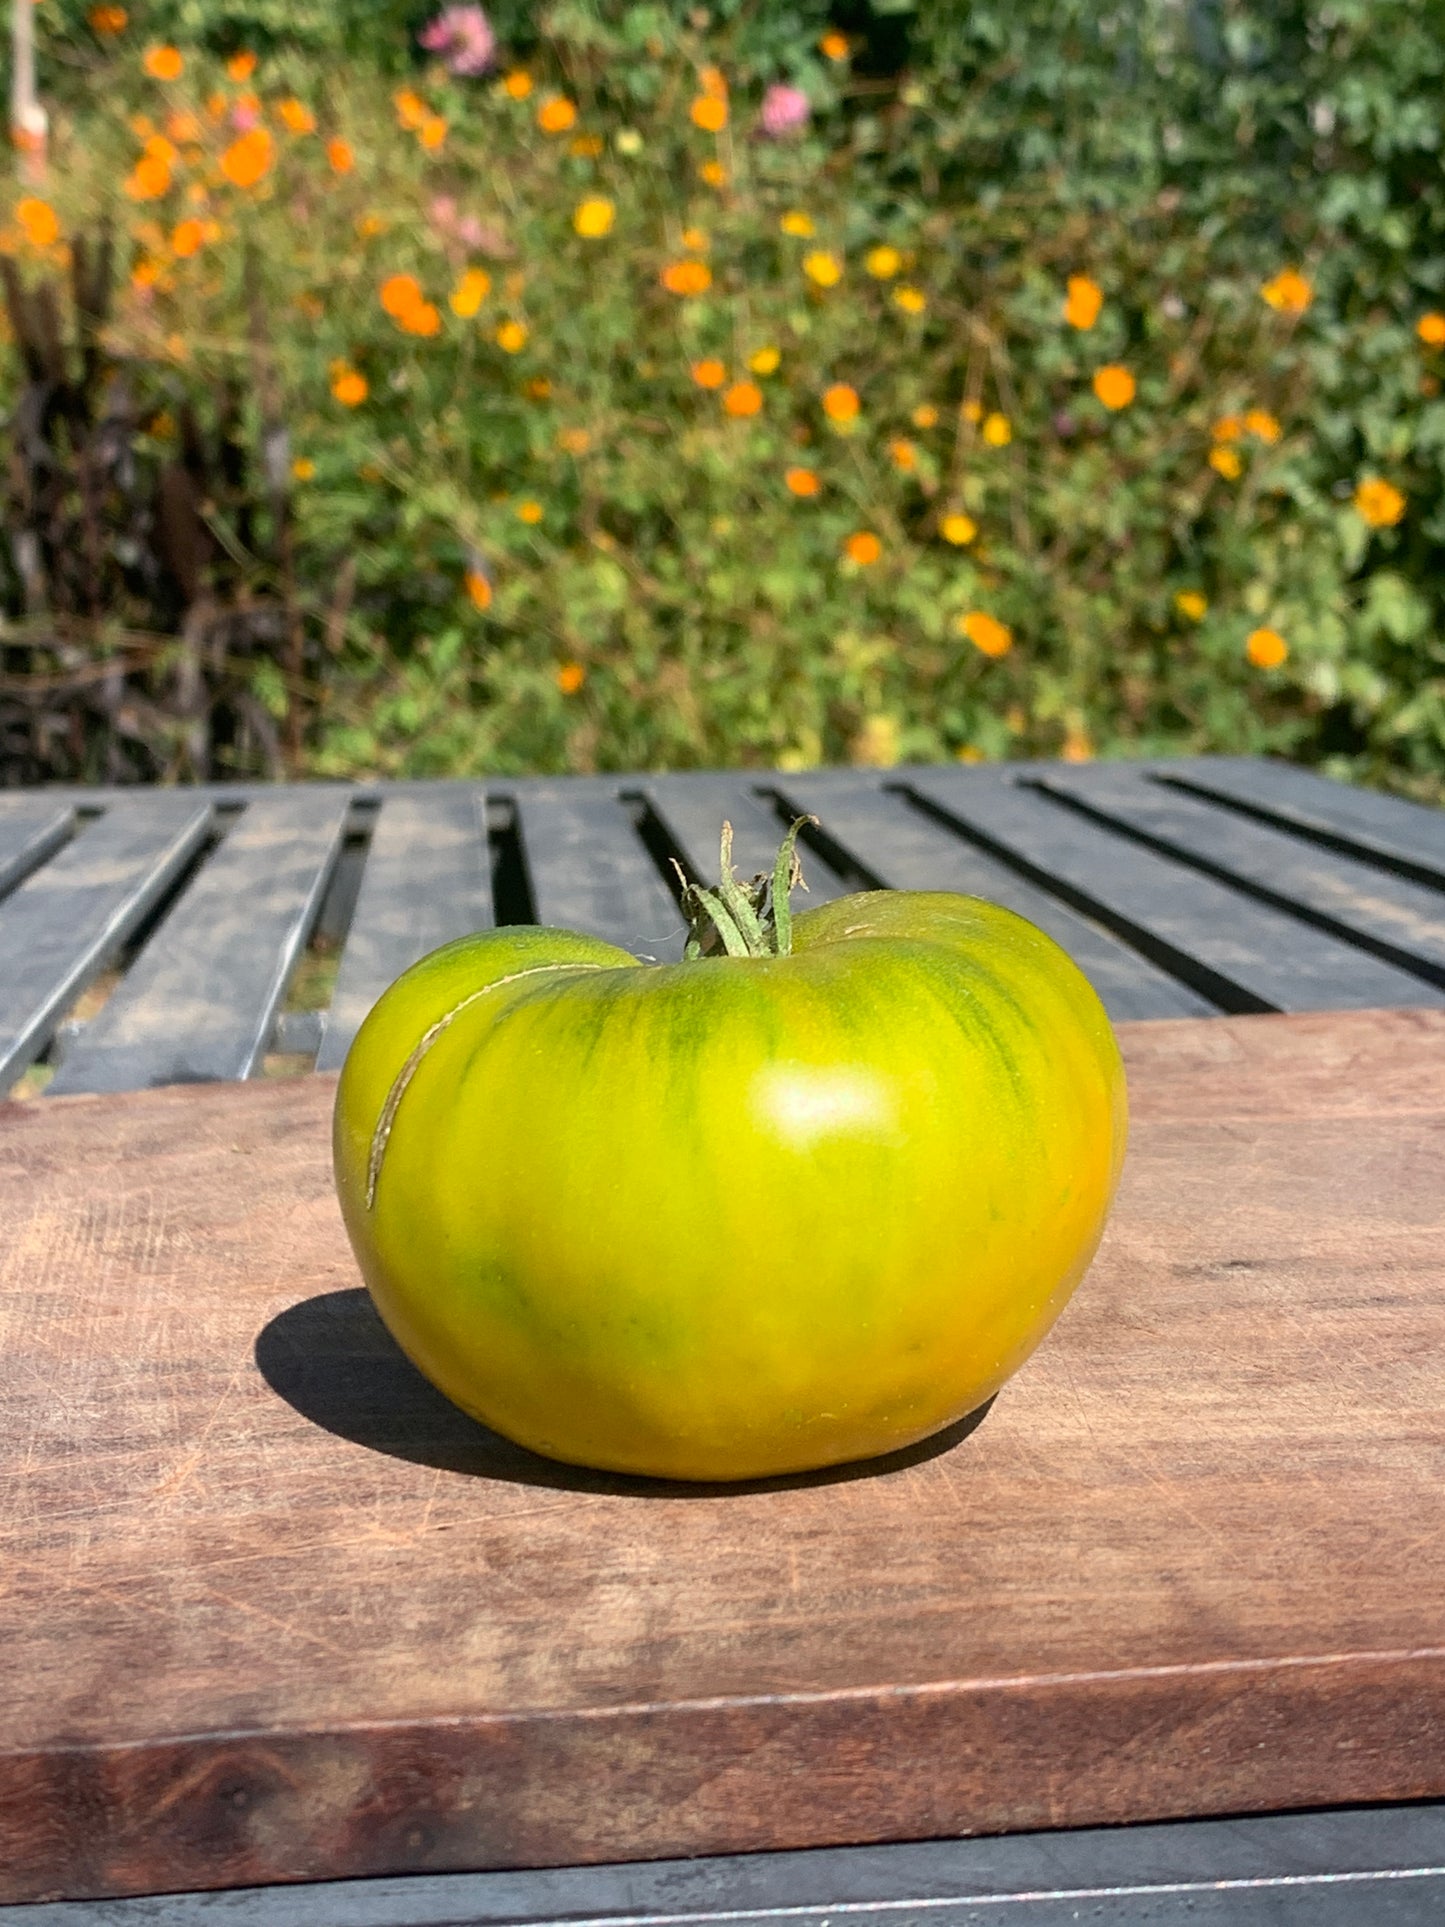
point(737, 1216)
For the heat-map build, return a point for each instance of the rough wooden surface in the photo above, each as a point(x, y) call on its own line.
point(270, 1610)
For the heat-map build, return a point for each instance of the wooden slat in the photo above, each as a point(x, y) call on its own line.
point(201, 999)
point(694, 809)
point(589, 870)
point(1410, 834)
point(1237, 952)
point(273, 1610)
point(31, 829)
point(905, 850)
point(65, 923)
point(426, 880)
point(1401, 919)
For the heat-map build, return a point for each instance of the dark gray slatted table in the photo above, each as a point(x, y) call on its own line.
point(151, 938)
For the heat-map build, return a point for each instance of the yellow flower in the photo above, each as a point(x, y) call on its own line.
point(972, 411)
point(479, 589)
point(1260, 422)
point(627, 141)
point(958, 528)
point(39, 220)
point(368, 226)
point(925, 415)
point(694, 240)
point(987, 634)
point(876, 744)
point(709, 373)
point(1266, 648)
point(1431, 329)
point(470, 292)
point(1226, 462)
point(910, 300)
point(432, 132)
point(248, 159)
point(586, 146)
point(411, 109)
point(840, 402)
point(1114, 386)
point(997, 430)
point(687, 277)
point(241, 66)
point(339, 154)
point(517, 84)
point(297, 116)
point(576, 441)
point(823, 268)
point(713, 82)
point(556, 114)
point(303, 468)
point(594, 217)
point(905, 455)
point(1379, 503)
point(529, 512)
point(798, 224)
point(512, 337)
point(1084, 301)
point(743, 398)
point(1289, 292)
point(863, 547)
point(348, 385)
point(803, 481)
point(163, 63)
point(570, 678)
point(1077, 746)
point(1228, 428)
point(1191, 605)
point(834, 45)
point(764, 361)
point(714, 173)
point(883, 263)
point(709, 113)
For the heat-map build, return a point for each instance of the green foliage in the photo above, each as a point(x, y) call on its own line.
point(655, 593)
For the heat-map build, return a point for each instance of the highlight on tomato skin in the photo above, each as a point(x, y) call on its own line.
point(804, 1197)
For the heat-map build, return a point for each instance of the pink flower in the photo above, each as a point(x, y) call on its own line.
point(244, 116)
point(786, 110)
point(463, 37)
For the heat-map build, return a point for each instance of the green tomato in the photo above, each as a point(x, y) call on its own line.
point(739, 1215)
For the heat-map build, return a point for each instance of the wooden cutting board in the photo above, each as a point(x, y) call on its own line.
point(273, 1611)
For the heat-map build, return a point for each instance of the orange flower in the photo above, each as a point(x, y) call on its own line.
point(743, 398)
point(1114, 386)
point(160, 149)
point(145, 274)
point(834, 45)
point(1379, 503)
point(368, 226)
point(905, 455)
point(424, 319)
point(512, 337)
point(241, 66)
point(823, 269)
point(340, 155)
point(39, 221)
point(971, 410)
point(863, 547)
point(1085, 299)
point(529, 512)
point(1289, 292)
point(556, 114)
point(400, 293)
point(709, 113)
point(411, 109)
point(576, 441)
point(248, 159)
point(694, 239)
point(470, 292)
point(958, 528)
point(709, 373)
point(1260, 422)
point(587, 146)
point(106, 20)
point(304, 469)
point(163, 63)
point(987, 634)
point(803, 481)
point(538, 388)
point(1266, 648)
point(570, 678)
point(1228, 428)
point(183, 126)
point(1431, 329)
point(997, 430)
point(148, 180)
point(687, 277)
point(1226, 462)
point(297, 116)
point(713, 82)
point(714, 173)
point(517, 84)
point(348, 385)
point(1077, 746)
point(840, 402)
point(432, 132)
point(188, 238)
point(925, 415)
point(479, 589)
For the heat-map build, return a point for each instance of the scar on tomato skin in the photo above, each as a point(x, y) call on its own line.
point(381, 1136)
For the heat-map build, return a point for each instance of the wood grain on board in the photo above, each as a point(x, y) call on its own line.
point(271, 1610)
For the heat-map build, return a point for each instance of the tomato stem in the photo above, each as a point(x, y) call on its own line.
point(745, 919)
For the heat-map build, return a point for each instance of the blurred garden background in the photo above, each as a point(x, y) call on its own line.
point(403, 390)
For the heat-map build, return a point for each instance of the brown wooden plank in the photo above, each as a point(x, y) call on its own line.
point(273, 1611)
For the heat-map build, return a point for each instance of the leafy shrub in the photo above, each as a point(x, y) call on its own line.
point(1147, 440)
